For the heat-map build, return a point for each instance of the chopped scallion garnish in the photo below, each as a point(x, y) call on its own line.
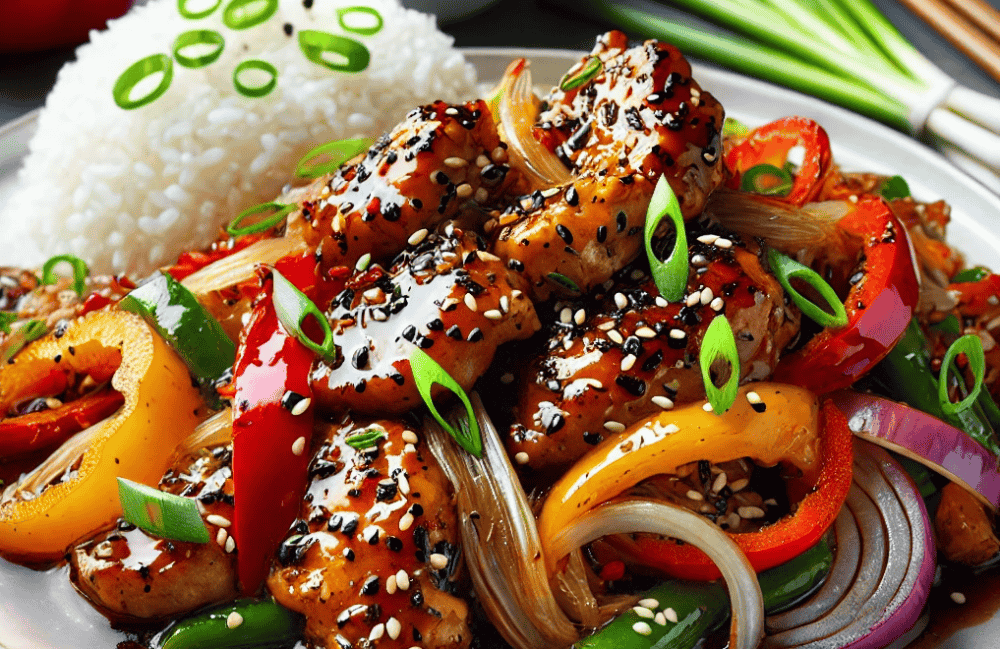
point(670, 275)
point(182, 9)
point(427, 372)
point(590, 69)
point(895, 187)
point(976, 274)
point(293, 307)
point(364, 30)
point(766, 179)
point(194, 38)
point(972, 346)
point(280, 211)
point(349, 54)
point(258, 90)
point(80, 272)
point(733, 127)
point(365, 439)
point(564, 282)
point(244, 14)
point(6, 320)
point(160, 513)
point(786, 269)
point(136, 73)
point(718, 344)
point(328, 157)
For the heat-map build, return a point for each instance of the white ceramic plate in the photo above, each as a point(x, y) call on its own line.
point(859, 144)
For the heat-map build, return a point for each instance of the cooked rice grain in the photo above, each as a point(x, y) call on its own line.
point(128, 190)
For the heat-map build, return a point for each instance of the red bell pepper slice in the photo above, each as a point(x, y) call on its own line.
point(36, 431)
point(770, 144)
point(977, 298)
point(775, 544)
point(879, 306)
point(269, 462)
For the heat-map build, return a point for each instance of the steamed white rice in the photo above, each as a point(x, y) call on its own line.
point(128, 190)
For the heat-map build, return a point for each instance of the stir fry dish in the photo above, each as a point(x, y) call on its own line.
point(596, 369)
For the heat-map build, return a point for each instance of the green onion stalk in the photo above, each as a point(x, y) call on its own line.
point(843, 51)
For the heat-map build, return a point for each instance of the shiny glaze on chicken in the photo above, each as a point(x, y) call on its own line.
point(373, 559)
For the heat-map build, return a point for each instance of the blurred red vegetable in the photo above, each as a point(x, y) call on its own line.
point(34, 25)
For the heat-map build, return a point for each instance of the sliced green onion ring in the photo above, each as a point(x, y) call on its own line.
point(972, 346)
point(182, 9)
point(671, 274)
point(895, 187)
point(280, 212)
point(80, 272)
point(244, 14)
point(427, 372)
point(160, 513)
point(315, 43)
point(365, 439)
point(198, 37)
point(293, 307)
point(255, 91)
point(733, 127)
point(564, 282)
point(719, 341)
point(336, 153)
point(786, 269)
point(364, 31)
point(138, 71)
point(766, 179)
point(34, 330)
point(590, 69)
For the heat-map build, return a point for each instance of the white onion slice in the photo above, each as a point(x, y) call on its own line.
point(624, 517)
point(240, 266)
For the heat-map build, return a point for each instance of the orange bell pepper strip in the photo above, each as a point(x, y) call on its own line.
point(794, 429)
point(771, 143)
point(879, 306)
point(75, 491)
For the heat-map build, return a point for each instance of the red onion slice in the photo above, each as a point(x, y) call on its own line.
point(925, 439)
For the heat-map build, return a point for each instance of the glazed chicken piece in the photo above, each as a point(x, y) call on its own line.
point(134, 576)
point(440, 162)
point(444, 295)
point(375, 555)
point(640, 117)
point(628, 352)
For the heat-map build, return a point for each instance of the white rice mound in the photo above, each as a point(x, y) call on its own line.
point(128, 190)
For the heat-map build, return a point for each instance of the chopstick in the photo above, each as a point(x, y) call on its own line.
point(963, 23)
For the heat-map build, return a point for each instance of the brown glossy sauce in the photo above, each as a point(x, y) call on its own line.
point(982, 594)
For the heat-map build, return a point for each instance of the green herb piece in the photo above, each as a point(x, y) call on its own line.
point(328, 157)
point(293, 307)
point(365, 439)
point(279, 212)
point(264, 624)
point(972, 347)
point(182, 9)
point(80, 272)
point(895, 187)
point(976, 274)
point(786, 269)
point(733, 127)
point(31, 330)
point(258, 90)
point(564, 282)
point(590, 69)
point(766, 179)
point(194, 38)
point(6, 320)
point(370, 30)
point(719, 343)
point(427, 372)
point(244, 14)
point(136, 73)
point(950, 325)
point(671, 274)
point(160, 513)
point(349, 54)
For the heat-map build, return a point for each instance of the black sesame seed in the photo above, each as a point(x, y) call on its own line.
point(394, 544)
point(410, 333)
point(572, 196)
point(350, 525)
point(349, 555)
point(398, 378)
point(290, 399)
point(653, 361)
point(592, 438)
point(454, 332)
point(360, 386)
point(423, 342)
point(370, 587)
point(435, 325)
point(515, 265)
point(417, 510)
point(635, 387)
point(602, 233)
point(759, 407)
point(354, 493)
point(386, 490)
point(475, 335)
point(632, 345)
point(360, 358)
point(288, 29)
point(564, 233)
point(621, 221)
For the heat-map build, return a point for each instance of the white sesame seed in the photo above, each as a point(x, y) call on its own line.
point(567, 343)
point(699, 260)
point(481, 197)
point(708, 238)
point(733, 520)
point(723, 243)
point(403, 580)
point(670, 429)
point(363, 262)
point(693, 299)
point(645, 332)
point(438, 561)
point(739, 485)
point(720, 482)
point(218, 521)
point(771, 502)
point(52, 403)
point(221, 537)
point(299, 446)
point(233, 620)
point(493, 314)
point(670, 614)
point(374, 294)
point(455, 162)
point(521, 457)
point(449, 230)
point(660, 619)
point(661, 301)
point(650, 603)
point(417, 237)
point(499, 154)
point(958, 598)
point(405, 521)
point(230, 545)
point(707, 407)
point(642, 611)
point(393, 628)
point(380, 315)
point(300, 407)
point(390, 584)
point(614, 426)
point(550, 192)
point(717, 304)
point(451, 110)
point(516, 294)
point(482, 161)
point(628, 363)
point(470, 302)
point(694, 495)
point(504, 303)
point(580, 316)
point(377, 632)
point(707, 295)
point(749, 511)
point(753, 397)
point(678, 334)
point(615, 336)
point(404, 484)
point(410, 437)
point(662, 402)
point(566, 315)
point(642, 628)
point(464, 190)
point(621, 301)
